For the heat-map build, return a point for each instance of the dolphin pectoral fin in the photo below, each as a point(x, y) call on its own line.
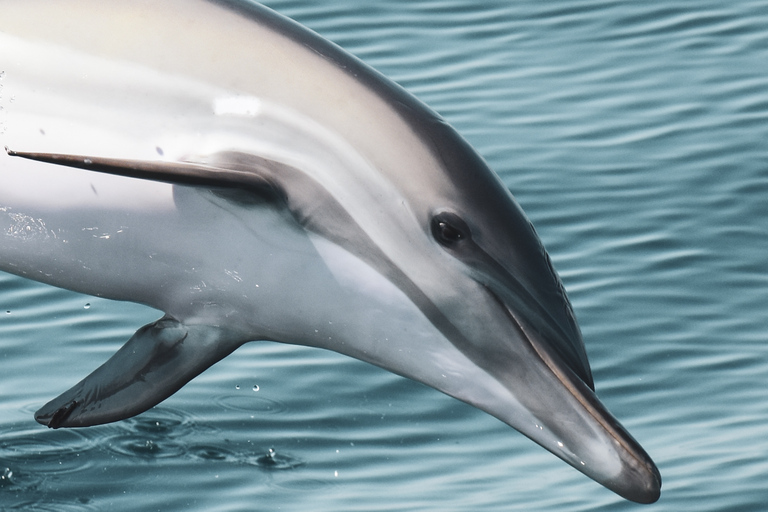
point(155, 363)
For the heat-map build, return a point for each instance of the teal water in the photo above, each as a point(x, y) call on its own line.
point(635, 136)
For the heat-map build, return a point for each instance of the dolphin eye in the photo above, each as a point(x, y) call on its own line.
point(449, 229)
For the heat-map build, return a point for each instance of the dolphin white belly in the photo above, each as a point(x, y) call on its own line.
point(253, 181)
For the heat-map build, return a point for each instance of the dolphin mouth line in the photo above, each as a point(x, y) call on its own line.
point(570, 382)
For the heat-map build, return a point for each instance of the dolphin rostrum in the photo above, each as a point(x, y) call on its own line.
point(253, 181)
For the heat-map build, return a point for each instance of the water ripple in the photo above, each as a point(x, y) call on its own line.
point(250, 403)
point(44, 452)
point(156, 434)
point(45, 505)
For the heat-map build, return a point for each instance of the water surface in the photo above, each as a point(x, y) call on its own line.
point(635, 135)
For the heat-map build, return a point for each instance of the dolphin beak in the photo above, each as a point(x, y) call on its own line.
point(624, 467)
point(566, 416)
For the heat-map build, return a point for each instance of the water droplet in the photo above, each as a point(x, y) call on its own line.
point(159, 150)
point(256, 387)
point(237, 386)
point(278, 461)
point(87, 161)
point(2, 75)
point(87, 305)
point(8, 312)
point(268, 459)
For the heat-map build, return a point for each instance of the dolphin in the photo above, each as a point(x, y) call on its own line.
point(253, 181)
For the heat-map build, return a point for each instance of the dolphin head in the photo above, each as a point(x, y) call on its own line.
point(471, 262)
point(503, 306)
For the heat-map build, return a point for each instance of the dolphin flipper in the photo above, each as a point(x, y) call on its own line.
point(155, 363)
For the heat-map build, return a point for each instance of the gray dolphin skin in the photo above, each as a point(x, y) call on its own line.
point(234, 170)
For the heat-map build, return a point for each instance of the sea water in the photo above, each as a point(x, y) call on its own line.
point(635, 136)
